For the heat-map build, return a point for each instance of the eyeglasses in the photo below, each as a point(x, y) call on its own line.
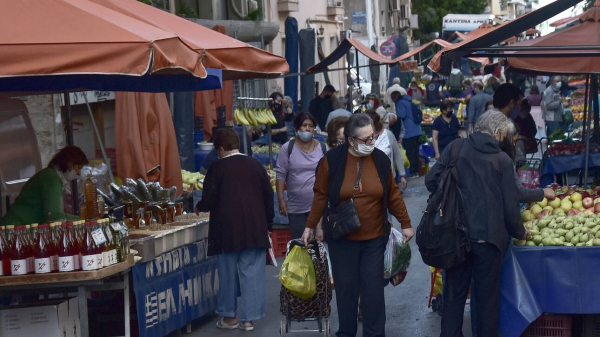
point(369, 141)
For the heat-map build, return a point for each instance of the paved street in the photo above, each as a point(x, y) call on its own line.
point(407, 312)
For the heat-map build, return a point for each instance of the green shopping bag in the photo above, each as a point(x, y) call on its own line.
point(298, 273)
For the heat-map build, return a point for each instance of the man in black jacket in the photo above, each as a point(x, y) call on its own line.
point(486, 181)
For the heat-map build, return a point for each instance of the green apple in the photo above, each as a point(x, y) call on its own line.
point(558, 211)
point(566, 205)
point(536, 209)
point(576, 197)
point(543, 203)
point(556, 203)
point(578, 205)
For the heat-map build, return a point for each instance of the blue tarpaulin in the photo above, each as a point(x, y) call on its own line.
point(307, 60)
point(558, 280)
point(562, 164)
point(146, 83)
point(183, 118)
point(291, 55)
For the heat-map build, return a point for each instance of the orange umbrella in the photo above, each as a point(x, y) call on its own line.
point(583, 34)
point(237, 59)
point(145, 138)
point(71, 38)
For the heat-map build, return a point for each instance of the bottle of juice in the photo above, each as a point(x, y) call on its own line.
point(89, 260)
point(111, 239)
point(19, 253)
point(10, 233)
point(4, 256)
point(54, 242)
point(44, 251)
point(29, 239)
point(34, 231)
point(91, 199)
point(99, 247)
point(66, 251)
point(76, 246)
point(118, 238)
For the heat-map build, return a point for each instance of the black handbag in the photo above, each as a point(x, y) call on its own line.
point(344, 218)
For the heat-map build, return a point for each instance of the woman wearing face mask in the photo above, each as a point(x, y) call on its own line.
point(386, 142)
point(41, 197)
point(357, 259)
point(445, 128)
point(335, 132)
point(279, 131)
point(295, 169)
point(416, 93)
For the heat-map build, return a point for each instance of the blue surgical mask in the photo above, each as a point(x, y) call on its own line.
point(369, 106)
point(305, 136)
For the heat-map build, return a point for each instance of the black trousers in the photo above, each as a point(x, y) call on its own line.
point(483, 264)
point(354, 265)
point(411, 145)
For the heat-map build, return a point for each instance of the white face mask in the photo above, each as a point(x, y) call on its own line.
point(364, 150)
point(305, 136)
point(71, 175)
point(558, 85)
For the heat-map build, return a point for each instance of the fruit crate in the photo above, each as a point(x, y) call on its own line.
point(549, 325)
point(280, 238)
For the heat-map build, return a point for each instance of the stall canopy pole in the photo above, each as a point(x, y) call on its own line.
point(350, 84)
point(263, 47)
point(110, 173)
point(586, 113)
point(357, 69)
point(586, 125)
point(69, 126)
point(595, 108)
point(241, 86)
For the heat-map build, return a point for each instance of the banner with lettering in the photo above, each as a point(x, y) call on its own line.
point(175, 288)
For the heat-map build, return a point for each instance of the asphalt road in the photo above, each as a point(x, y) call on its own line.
point(406, 304)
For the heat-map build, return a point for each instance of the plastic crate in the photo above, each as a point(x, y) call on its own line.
point(280, 238)
point(549, 325)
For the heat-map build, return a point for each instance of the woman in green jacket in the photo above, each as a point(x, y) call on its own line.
point(41, 197)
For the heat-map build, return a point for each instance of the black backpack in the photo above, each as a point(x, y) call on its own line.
point(417, 114)
point(442, 235)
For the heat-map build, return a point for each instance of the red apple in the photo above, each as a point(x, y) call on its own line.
point(561, 196)
point(588, 202)
point(585, 194)
point(543, 213)
point(597, 208)
point(589, 211)
point(597, 189)
point(573, 212)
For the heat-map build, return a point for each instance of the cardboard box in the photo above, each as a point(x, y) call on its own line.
point(48, 319)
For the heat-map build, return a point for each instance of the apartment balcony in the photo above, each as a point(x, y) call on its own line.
point(335, 8)
point(288, 6)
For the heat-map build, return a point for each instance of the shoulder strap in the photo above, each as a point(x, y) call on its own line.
point(291, 147)
point(357, 183)
point(323, 148)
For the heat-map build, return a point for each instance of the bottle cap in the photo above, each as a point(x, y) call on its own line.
point(18, 228)
point(10, 227)
point(34, 225)
point(63, 225)
point(27, 226)
point(69, 223)
point(44, 226)
point(88, 223)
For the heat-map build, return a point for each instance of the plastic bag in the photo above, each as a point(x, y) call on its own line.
point(404, 157)
point(298, 273)
point(397, 255)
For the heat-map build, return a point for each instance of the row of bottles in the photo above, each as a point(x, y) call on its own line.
point(62, 247)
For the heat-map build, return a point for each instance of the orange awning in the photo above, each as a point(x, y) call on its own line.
point(346, 45)
point(442, 61)
point(441, 43)
point(564, 21)
point(71, 37)
point(236, 58)
point(583, 34)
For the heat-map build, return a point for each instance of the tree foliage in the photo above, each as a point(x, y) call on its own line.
point(431, 13)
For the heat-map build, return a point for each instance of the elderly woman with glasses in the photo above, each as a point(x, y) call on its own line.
point(357, 259)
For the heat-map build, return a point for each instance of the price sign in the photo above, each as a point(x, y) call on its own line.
point(98, 236)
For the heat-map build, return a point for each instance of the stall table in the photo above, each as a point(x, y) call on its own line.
point(557, 280)
point(115, 277)
point(563, 164)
